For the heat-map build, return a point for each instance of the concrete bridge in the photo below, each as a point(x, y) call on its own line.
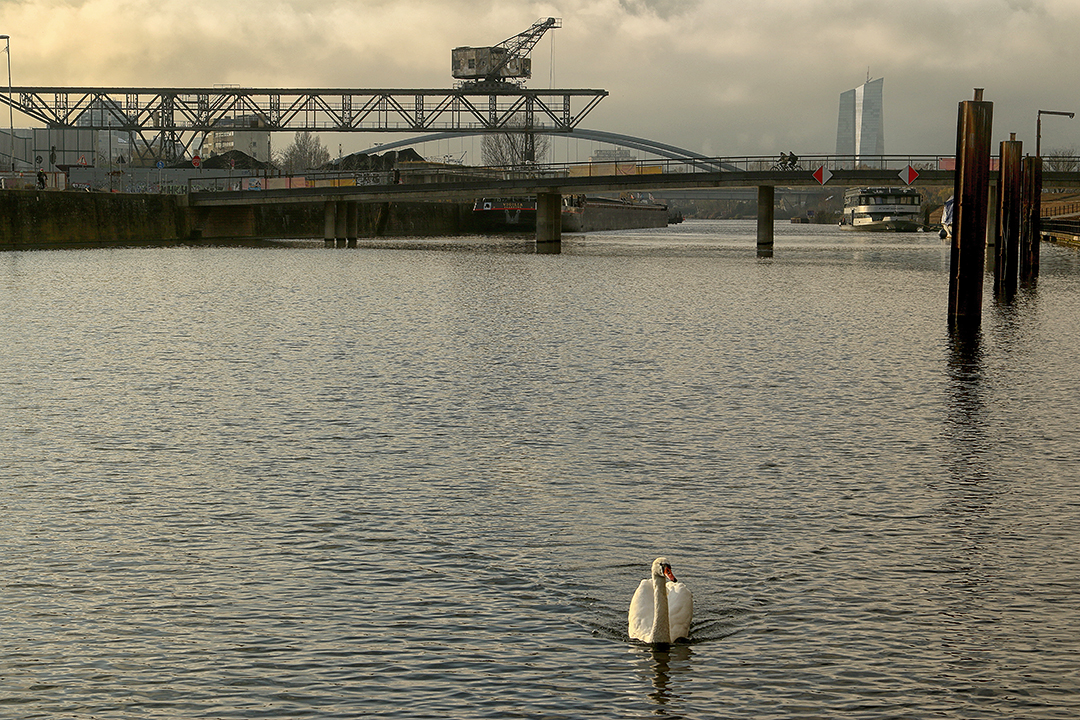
point(548, 183)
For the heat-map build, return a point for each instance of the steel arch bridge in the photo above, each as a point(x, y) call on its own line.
point(670, 152)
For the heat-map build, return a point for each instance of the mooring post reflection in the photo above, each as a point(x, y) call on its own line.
point(965, 409)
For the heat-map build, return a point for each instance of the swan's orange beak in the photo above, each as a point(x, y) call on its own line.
point(670, 575)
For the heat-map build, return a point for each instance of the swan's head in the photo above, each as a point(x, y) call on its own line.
point(660, 568)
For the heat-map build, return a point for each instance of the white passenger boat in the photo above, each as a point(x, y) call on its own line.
point(894, 209)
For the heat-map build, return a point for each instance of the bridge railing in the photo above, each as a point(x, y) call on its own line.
point(758, 163)
point(1060, 210)
point(436, 172)
point(439, 172)
point(690, 165)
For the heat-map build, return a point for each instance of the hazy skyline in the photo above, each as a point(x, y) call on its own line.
point(714, 77)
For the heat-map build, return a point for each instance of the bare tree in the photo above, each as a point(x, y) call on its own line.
point(512, 149)
point(305, 153)
point(1061, 160)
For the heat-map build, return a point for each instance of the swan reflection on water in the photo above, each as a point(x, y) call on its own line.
point(664, 665)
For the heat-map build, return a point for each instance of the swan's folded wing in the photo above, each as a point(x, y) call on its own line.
point(680, 609)
point(640, 617)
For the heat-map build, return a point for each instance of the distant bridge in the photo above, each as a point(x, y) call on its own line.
point(471, 182)
point(549, 183)
point(463, 182)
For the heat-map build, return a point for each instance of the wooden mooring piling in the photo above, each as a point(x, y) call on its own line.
point(1030, 230)
point(1017, 207)
point(970, 192)
point(1009, 215)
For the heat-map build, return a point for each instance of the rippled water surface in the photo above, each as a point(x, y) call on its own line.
point(323, 483)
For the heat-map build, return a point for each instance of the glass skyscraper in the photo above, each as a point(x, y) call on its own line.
point(860, 129)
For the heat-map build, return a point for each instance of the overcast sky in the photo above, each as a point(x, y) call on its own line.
point(718, 77)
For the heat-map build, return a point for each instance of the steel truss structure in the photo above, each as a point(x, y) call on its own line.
point(178, 115)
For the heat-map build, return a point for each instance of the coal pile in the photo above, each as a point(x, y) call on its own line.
point(362, 162)
point(235, 160)
point(231, 160)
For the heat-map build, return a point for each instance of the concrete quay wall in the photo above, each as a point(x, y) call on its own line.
point(31, 219)
point(303, 221)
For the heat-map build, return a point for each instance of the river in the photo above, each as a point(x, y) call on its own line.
point(334, 483)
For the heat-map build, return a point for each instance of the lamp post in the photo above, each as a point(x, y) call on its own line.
point(11, 121)
point(1038, 127)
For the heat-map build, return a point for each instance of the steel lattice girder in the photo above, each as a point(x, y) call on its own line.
point(179, 110)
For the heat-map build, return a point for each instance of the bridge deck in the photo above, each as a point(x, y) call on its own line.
point(539, 185)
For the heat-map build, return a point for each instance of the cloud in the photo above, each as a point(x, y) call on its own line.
point(719, 74)
point(659, 8)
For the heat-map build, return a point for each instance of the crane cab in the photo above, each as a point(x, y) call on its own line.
point(502, 64)
point(480, 63)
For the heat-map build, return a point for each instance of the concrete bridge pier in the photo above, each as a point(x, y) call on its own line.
point(766, 210)
point(341, 218)
point(549, 223)
point(329, 222)
point(352, 224)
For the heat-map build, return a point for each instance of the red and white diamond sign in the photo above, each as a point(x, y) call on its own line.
point(822, 175)
point(909, 174)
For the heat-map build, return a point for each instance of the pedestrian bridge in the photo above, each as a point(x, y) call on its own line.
point(548, 183)
point(459, 182)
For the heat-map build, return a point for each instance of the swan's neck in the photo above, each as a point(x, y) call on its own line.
point(661, 627)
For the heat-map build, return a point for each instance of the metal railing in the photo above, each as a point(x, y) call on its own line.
point(1057, 209)
point(433, 173)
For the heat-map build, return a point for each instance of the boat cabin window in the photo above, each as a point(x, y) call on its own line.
point(888, 200)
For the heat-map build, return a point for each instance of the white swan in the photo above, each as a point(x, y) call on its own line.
point(662, 607)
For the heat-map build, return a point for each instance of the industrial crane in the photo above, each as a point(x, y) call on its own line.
point(501, 66)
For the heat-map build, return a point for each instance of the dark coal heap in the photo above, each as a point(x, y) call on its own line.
point(231, 160)
point(362, 162)
point(242, 161)
point(357, 162)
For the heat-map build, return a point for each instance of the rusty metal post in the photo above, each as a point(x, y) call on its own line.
point(1007, 233)
point(973, 127)
point(1031, 230)
point(766, 209)
point(991, 226)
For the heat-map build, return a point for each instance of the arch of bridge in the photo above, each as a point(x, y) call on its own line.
point(663, 150)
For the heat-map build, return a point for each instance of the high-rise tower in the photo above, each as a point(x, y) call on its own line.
point(860, 129)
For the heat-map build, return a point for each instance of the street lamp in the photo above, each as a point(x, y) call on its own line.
point(1038, 127)
point(11, 122)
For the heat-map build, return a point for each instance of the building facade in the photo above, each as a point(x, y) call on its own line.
point(247, 134)
point(860, 128)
